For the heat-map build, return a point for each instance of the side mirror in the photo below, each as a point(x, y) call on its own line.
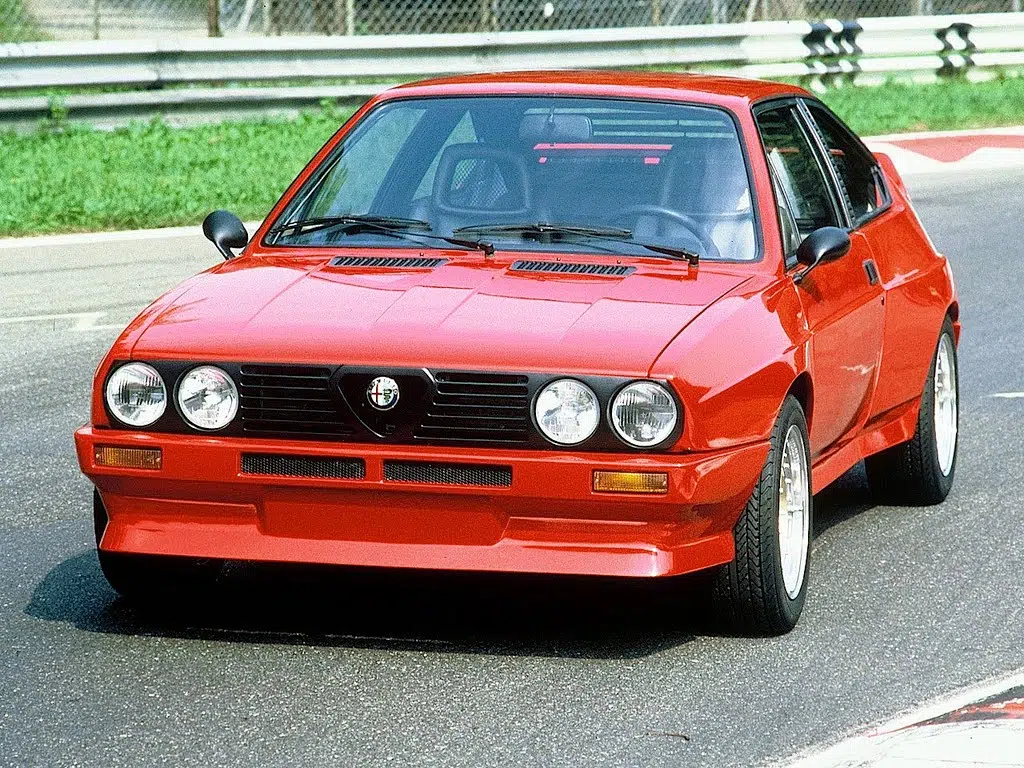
point(822, 245)
point(226, 231)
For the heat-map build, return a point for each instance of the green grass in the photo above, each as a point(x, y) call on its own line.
point(74, 179)
point(152, 175)
point(15, 24)
point(900, 107)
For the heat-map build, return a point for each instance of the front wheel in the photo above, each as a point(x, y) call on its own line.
point(762, 591)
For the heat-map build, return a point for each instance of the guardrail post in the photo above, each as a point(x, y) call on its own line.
point(213, 18)
point(95, 19)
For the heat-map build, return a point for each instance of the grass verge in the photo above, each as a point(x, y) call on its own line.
point(76, 179)
point(16, 24)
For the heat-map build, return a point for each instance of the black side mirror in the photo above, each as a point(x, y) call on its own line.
point(822, 245)
point(226, 231)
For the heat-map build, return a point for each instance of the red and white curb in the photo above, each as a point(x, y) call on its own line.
point(981, 727)
point(945, 151)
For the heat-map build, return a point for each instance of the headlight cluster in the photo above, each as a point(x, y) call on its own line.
point(137, 396)
point(643, 414)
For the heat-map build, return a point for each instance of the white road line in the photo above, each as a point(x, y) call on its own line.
point(84, 238)
point(856, 749)
point(1009, 395)
point(83, 321)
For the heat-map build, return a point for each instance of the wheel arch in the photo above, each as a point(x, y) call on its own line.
point(802, 389)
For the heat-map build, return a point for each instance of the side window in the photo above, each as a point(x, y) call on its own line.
point(797, 174)
point(856, 170)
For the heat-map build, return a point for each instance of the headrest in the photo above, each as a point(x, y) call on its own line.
point(556, 128)
point(473, 178)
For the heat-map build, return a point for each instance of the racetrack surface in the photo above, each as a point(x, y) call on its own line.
point(311, 666)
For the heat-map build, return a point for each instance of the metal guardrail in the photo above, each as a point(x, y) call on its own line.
point(866, 50)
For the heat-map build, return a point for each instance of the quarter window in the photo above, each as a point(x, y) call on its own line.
point(801, 187)
point(858, 180)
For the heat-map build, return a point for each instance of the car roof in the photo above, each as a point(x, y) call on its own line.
point(677, 86)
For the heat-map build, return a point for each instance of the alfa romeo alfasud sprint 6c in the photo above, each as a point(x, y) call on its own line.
point(559, 323)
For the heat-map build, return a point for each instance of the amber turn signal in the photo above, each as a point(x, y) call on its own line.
point(128, 458)
point(630, 482)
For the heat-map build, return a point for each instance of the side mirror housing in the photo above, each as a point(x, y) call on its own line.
point(822, 245)
point(226, 231)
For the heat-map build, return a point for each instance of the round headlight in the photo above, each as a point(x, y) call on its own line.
point(644, 414)
point(207, 398)
point(136, 395)
point(567, 411)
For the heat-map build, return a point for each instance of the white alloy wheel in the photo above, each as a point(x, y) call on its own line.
point(794, 512)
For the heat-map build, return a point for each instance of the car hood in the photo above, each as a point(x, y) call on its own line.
point(468, 313)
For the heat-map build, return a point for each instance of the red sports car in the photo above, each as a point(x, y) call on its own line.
point(620, 324)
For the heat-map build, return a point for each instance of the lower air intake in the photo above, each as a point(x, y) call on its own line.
point(303, 466)
point(447, 474)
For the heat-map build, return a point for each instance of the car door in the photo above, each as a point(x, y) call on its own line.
point(869, 204)
point(842, 300)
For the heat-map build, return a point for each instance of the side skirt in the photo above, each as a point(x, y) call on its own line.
point(895, 427)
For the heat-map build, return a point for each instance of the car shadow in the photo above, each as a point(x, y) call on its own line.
point(495, 614)
point(846, 498)
point(498, 614)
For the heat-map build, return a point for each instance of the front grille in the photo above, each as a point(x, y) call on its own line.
point(389, 262)
point(478, 408)
point(302, 466)
point(447, 474)
point(289, 401)
point(572, 268)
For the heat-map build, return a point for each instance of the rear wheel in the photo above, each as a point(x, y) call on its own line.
point(920, 471)
point(146, 577)
point(762, 591)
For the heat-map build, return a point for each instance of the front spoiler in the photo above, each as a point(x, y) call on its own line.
point(549, 520)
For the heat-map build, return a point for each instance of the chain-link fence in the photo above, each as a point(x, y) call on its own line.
point(101, 19)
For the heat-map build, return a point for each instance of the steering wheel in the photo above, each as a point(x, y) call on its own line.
point(708, 247)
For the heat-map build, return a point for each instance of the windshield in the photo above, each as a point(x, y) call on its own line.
point(494, 168)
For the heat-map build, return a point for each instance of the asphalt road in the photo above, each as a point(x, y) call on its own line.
point(310, 667)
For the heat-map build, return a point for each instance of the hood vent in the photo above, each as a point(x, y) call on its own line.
point(568, 268)
point(389, 262)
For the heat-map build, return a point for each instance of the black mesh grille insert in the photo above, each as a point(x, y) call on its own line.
point(478, 407)
point(389, 262)
point(447, 474)
point(569, 268)
point(302, 466)
point(289, 401)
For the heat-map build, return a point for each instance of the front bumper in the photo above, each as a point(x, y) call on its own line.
point(549, 520)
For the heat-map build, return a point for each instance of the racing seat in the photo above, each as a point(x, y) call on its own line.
point(478, 184)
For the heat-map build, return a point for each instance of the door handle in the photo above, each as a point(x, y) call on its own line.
point(872, 271)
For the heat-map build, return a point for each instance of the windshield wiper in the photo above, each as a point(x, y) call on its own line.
point(352, 221)
point(542, 230)
point(392, 226)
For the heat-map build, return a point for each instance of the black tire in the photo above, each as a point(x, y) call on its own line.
point(910, 473)
point(749, 594)
point(141, 578)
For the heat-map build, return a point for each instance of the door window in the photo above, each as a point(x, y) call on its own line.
point(858, 180)
point(798, 174)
